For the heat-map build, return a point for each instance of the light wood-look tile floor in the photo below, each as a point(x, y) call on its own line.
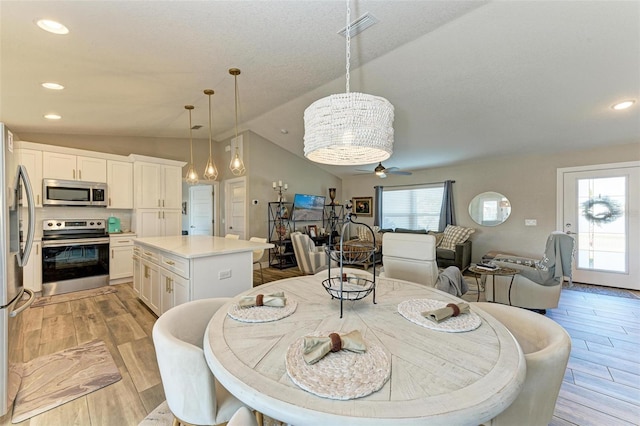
point(124, 324)
point(601, 385)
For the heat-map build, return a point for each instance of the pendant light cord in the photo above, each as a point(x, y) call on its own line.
point(190, 139)
point(348, 42)
point(209, 127)
point(235, 78)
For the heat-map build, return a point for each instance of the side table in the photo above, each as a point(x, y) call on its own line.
point(499, 271)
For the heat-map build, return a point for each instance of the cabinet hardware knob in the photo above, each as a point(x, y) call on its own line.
point(169, 262)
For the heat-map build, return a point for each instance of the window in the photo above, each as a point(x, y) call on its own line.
point(412, 208)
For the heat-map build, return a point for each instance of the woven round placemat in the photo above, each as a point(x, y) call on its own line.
point(262, 313)
point(339, 375)
point(412, 310)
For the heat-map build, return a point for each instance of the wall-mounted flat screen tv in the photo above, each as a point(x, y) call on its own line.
point(308, 207)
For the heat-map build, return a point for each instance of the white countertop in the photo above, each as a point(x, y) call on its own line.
point(192, 246)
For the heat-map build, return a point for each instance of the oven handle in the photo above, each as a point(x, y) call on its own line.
point(77, 242)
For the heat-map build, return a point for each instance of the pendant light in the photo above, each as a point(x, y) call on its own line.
point(348, 128)
point(192, 175)
point(210, 171)
point(236, 165)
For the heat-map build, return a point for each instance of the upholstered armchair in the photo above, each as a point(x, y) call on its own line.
point(539, 281)
point(410, 257)
point(310, 258)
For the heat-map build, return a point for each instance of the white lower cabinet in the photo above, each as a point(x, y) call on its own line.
point(120, 261)
point(162, 284)
point(175, 289)
point(137, 270)
point(150, 286)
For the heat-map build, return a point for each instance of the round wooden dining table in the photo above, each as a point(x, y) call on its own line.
point(436, 377)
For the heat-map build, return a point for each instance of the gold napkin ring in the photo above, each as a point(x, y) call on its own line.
point(336, 342)
point(456, 309)
point(259, 300)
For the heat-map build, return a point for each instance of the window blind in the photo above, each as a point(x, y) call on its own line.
point(417, 207)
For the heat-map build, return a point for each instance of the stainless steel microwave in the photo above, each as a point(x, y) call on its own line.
point(57, 192)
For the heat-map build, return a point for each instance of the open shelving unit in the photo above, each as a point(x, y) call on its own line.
point(281, 225)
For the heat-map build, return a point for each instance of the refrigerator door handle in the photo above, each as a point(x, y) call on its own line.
point(32, 297)
point(31, 223)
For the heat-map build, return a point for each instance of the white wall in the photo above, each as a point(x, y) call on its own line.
point(529, 182)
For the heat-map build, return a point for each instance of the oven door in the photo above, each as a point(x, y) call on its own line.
point(73, 259)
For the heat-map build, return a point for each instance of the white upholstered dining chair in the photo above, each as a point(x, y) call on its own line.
point(410, 257)
point(546, 346)
point(243, 417)
point(193, 394)
point(257, 254)
point(232, 236)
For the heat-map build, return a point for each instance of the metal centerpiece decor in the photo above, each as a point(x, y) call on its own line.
point(346, 286)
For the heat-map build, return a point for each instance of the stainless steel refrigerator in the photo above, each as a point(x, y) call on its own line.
point(16, 239)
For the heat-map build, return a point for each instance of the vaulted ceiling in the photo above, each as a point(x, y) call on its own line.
point(467, 79)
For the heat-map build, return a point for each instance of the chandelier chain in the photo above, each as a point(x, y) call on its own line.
point(348, 53)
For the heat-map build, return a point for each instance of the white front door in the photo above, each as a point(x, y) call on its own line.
point(235, 206)
point(598, 206)
point(201, 211)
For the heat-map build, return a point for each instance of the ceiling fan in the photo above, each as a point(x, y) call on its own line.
point(382, 172)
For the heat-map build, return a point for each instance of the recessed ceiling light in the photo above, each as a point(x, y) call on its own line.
point(52, 26)
point(284, 131)
point(624, 104)
point(53, 117)
point(52, 86)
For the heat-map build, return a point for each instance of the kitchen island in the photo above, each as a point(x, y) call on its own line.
point(168, 271)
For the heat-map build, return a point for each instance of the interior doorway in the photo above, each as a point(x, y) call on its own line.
point(235, 206)
point(199, 208)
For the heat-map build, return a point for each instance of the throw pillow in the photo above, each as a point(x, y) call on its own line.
point(455, 235)
point(439, 236)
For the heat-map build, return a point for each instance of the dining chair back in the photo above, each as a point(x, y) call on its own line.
point(243, 417)
point(546, 346)
point(410, 257)
point(232, 236)
point(193, 395)
point(257, 255)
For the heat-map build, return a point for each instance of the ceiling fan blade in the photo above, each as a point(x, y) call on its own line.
point(398, 172)
point(363, 170)
point(390, 169)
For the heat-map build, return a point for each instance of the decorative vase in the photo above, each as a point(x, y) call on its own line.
point(332, 195)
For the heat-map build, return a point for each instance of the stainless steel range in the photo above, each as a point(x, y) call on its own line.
point(75, 255)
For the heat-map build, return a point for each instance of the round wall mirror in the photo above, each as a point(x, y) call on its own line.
point(489, 209)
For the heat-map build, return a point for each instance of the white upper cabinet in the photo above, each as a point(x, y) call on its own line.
point(32, 160)
point(172, 188)
point(157, 186)
point(58, 165)
point(120, 182)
